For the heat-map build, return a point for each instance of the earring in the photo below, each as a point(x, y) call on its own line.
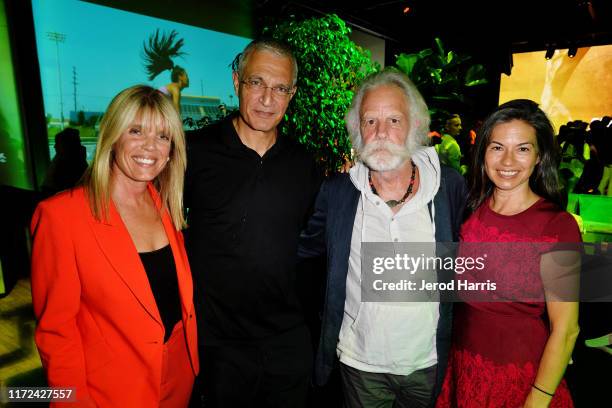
point(168, 158)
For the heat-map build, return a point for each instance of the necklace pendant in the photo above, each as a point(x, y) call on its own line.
point(392, 203)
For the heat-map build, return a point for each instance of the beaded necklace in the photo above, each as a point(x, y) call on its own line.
point(395, 203)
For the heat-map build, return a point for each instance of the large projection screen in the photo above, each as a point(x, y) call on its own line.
point(578, 88)
point(88, 53)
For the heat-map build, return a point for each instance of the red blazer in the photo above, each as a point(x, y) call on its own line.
point(99, 329)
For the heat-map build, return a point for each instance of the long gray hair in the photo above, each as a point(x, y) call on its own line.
point(418, 114)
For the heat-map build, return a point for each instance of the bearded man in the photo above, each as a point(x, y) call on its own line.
point(390, 354)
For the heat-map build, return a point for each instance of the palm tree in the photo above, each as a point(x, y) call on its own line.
point(160, 51)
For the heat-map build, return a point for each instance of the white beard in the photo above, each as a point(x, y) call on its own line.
point(382, 155)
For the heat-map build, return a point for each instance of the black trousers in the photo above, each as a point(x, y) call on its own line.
point(377, 390)
point(274, 373)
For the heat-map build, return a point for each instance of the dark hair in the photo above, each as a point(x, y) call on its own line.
point(544, 179)
point(68, 138)
point(451, 116)
point(159, 51)
point(177, 71)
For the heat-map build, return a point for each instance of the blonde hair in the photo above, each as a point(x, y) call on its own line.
point(153, 109)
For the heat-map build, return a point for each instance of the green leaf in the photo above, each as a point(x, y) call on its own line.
point(475, 75)
point(425, 53)
point(331, 65)
point(450, 56)
point(406, 62)
point(439, 46)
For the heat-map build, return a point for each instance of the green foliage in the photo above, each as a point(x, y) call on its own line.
point(330, 66)
point(190, 123)
point(441, 77)
point(92, 120)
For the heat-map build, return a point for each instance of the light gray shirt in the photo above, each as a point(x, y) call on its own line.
point(390, 337)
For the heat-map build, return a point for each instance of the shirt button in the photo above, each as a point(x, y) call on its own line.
point(243, 219)
point(395, 239)
point(378, 203)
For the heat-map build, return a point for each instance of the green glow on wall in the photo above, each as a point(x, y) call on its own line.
point(13, 167)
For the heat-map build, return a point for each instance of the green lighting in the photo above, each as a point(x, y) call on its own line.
point(13, 166)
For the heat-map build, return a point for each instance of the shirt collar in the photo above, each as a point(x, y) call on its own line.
point(232, 140)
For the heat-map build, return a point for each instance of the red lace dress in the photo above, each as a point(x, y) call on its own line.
point(497, 346)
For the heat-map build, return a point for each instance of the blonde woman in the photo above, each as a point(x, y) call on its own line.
point(111, 285)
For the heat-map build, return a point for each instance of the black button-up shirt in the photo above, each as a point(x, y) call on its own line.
point(245, 216)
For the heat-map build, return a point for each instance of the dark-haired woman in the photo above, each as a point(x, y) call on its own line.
point(512, 350)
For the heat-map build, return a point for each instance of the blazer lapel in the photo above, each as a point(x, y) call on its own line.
point(348, 200)
point(442, 220)
point(116, 243)
point(183, 272)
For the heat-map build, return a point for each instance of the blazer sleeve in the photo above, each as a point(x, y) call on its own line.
point(312, 238)
point(56, 292)
point(458, 194)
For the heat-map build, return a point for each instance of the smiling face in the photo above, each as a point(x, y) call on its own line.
point(141, 153)
point(511, 156)
point(384, 128)
point(262, 110)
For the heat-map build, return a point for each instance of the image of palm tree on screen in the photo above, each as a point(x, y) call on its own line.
point(159, 52)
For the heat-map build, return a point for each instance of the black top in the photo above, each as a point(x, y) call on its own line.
point(161, 272)
point(245, 216)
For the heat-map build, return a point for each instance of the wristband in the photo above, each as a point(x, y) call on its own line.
point(541, 390)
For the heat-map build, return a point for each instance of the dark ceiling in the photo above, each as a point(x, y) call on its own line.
point(518, 25)
point(475, 26)
point(488, 31)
